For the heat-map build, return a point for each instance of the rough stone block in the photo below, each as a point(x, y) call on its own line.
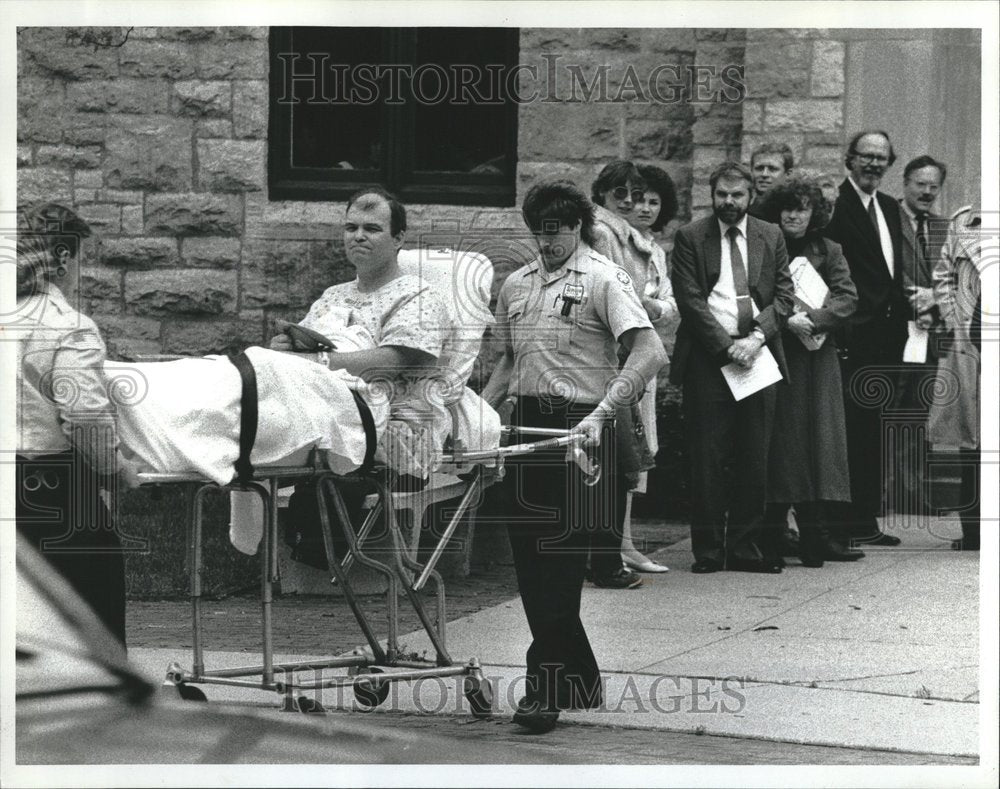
point(188, 33)
point(100, 289)
point(86, 195)
point(203, 99)
point(231, 165)
point(58, 51)
point(132, 223)
point(237, 33)
point(117, 195)
point(295, 219)
point(103, 218)
point(140, 253)
point(721, 125)
point(276, 273)
point(149, 152)
point(825, 158)
point(199, 337)
point(157, 58)
point(669, 40)
point(24, 156)
point(90, 179)
point(231, 59)
point(84, 128)
point(771, 34)
point(40, 104)
point(70, 156)
point(530, 173)
point(193, 215)
point(711, 33)
point(569, 131)
point(537, 40)
point(753, 116)
point(778, 69)
point(615, 39)
point(805, 115)
point(137, 96)
point(210, 252)
point(827, 69)
point(180, 291)
point(130, 338)
point(214, 127)
point(43, 183)
point(250, 101)
point(657, 141)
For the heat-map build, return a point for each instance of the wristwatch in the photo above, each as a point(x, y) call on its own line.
point(759, 335)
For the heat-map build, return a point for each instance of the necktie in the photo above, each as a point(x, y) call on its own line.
point(922, 236)
point(744, 310)
point(873, 216)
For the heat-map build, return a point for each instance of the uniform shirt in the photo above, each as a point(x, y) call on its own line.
point(722, 299)
point(571, 356)
point(61, 390)
point(885, 240)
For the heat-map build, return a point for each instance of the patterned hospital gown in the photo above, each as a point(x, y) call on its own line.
point(406, 313)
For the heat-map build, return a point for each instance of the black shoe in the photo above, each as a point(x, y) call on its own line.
point(835, 551)
point(880, 538)
point(706, 566)
point(739, 565)
point(619, 579)
point(531, 716)
point(811, 560)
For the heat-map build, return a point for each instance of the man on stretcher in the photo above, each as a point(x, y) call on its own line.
point(386, 329)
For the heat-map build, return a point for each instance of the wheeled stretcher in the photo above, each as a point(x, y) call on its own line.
point(370, 671)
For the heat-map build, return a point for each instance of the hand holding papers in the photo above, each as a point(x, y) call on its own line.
point(915, 351)
point(744, 381)
point(810, 294)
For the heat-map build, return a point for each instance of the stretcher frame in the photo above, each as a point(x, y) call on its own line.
point(368, 673)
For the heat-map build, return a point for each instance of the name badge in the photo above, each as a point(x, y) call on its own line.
point(573, 293)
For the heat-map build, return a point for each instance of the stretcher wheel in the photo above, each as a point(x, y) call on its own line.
point(479, 694)
point(190, 692)
point(308, 706)
point(370, 693)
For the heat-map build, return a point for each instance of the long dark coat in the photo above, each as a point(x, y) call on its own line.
point(808, 456)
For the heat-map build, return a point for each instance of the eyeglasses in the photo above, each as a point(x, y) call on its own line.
point(623, 193)
point(869, 158)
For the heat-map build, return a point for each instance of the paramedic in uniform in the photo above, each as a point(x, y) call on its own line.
point(560, 319)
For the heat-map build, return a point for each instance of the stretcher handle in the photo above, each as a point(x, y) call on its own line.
point(573, 442)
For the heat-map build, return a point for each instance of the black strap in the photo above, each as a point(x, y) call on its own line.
point(371, 440)
point(248, 415)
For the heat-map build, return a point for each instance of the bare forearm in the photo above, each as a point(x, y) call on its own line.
point(498, 386)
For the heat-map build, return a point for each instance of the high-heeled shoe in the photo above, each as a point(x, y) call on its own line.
point(641, 564)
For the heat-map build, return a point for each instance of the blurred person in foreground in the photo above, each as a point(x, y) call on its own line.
point(67, 445)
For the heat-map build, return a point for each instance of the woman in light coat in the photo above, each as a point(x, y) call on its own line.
point(633, 203)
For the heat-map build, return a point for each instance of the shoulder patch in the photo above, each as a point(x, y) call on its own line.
point(625, 280)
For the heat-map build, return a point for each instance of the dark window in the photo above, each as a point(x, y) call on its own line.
point(430, 113)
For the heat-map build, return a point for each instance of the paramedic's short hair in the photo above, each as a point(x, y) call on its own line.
point(558, 203)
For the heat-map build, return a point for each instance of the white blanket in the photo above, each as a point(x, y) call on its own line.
point(184, 415)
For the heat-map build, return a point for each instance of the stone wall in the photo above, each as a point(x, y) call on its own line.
point(158, 138)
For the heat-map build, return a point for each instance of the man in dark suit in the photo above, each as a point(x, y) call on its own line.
point(922, 238)
point(733, 290)
point(867, 225)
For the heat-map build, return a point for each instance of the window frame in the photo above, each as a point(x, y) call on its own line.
point(286, 182)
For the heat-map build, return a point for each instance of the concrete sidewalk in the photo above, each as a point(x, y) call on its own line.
point(878, 654)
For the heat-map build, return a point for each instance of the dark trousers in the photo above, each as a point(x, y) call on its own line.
point(906, 490)
point(970, 497)
point(728, 443)
point(60, 513)
point(554, 522)
point(810, 518)
point(869, 370)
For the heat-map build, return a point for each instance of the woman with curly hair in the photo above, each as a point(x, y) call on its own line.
point(632, 203)
point(808, 454)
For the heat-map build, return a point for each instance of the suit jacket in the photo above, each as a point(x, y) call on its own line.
point(880, 295)
point(918, 270)
point(697, 261)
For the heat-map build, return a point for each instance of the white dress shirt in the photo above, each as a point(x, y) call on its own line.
point(883, 229)
point(722, 299)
